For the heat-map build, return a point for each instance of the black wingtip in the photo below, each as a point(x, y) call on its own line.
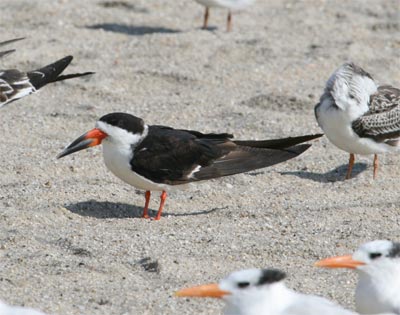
point(11, 41)
point(6, 52)
point(282, 143)
point(51, 73)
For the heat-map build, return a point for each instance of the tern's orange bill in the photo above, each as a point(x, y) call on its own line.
point(346, 261)
point(89, 139)
point(207, 290)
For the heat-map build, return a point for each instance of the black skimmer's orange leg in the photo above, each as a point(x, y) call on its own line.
point(375, 165)
point(351, 163)
point(163, 197)
point(229, 22)
point(206, 15)
point(146, 205)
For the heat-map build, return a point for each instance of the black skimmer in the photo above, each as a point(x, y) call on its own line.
point(358, 116)
point(263, 292)
point(6, 52)
point(378, 266)
point(15, 84)
point(159, 158)
point(17, 310)
point(228, 4)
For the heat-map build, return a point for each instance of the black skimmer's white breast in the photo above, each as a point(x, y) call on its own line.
point(15, 84)
point(227, 4)
point(263, 292)
point(358, 116)
point(160, 158)
point(378, 266)
point(6, 52)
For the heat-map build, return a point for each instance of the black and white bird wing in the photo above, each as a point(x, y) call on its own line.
point(175, 157)
point(14, 84)
point(52, 73)
point(171, 156)
point(382, 121)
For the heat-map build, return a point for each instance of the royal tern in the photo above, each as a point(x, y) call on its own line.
point(263, 292)
point(377, 264)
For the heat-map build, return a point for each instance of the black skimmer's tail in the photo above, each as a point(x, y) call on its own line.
point(159, 157)
point(15, 84)
point(6, 52)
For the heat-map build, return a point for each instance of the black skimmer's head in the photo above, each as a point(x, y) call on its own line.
point(350, 88)
point(116, 129)
point(262, 292)
point(159, 158)
point(378, 266)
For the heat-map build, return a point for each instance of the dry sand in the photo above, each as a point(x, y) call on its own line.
point(71, 237)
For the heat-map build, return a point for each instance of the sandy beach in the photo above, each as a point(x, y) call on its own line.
point(71, 237)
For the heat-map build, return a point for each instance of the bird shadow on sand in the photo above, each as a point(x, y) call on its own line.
point(336, 175)
point(132, 29)
point(108, 210)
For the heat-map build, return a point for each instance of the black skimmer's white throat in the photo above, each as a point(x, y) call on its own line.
point(6, 52)
point(17, 310)
point(15, 84)
point(358, 116)
point(378, 266)
point(227, 4)
point(263, 292)
point(159, 158)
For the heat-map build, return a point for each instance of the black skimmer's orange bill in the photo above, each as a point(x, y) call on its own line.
point(378, 266)
point(227, 4)
point(15, 84)
point(6, 52)
point(159, 157)
point(358, 116)
point(263, 292)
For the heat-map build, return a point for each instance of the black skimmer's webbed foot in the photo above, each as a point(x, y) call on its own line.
point(350, 167)
point(376, 164)
point(229, 22)
point(206, 16)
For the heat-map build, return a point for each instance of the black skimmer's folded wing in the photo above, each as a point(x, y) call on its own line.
point(175, 157)
point(15, 84)
point(382, 121)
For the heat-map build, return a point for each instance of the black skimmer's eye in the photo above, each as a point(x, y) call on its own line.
point(242, 285)
point(375, 255)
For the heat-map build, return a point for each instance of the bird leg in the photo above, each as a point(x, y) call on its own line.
point(163, 197)
point(229, 22)
point(375, 165)
point(351, 163)
point(146, 205)
point(206, 15)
